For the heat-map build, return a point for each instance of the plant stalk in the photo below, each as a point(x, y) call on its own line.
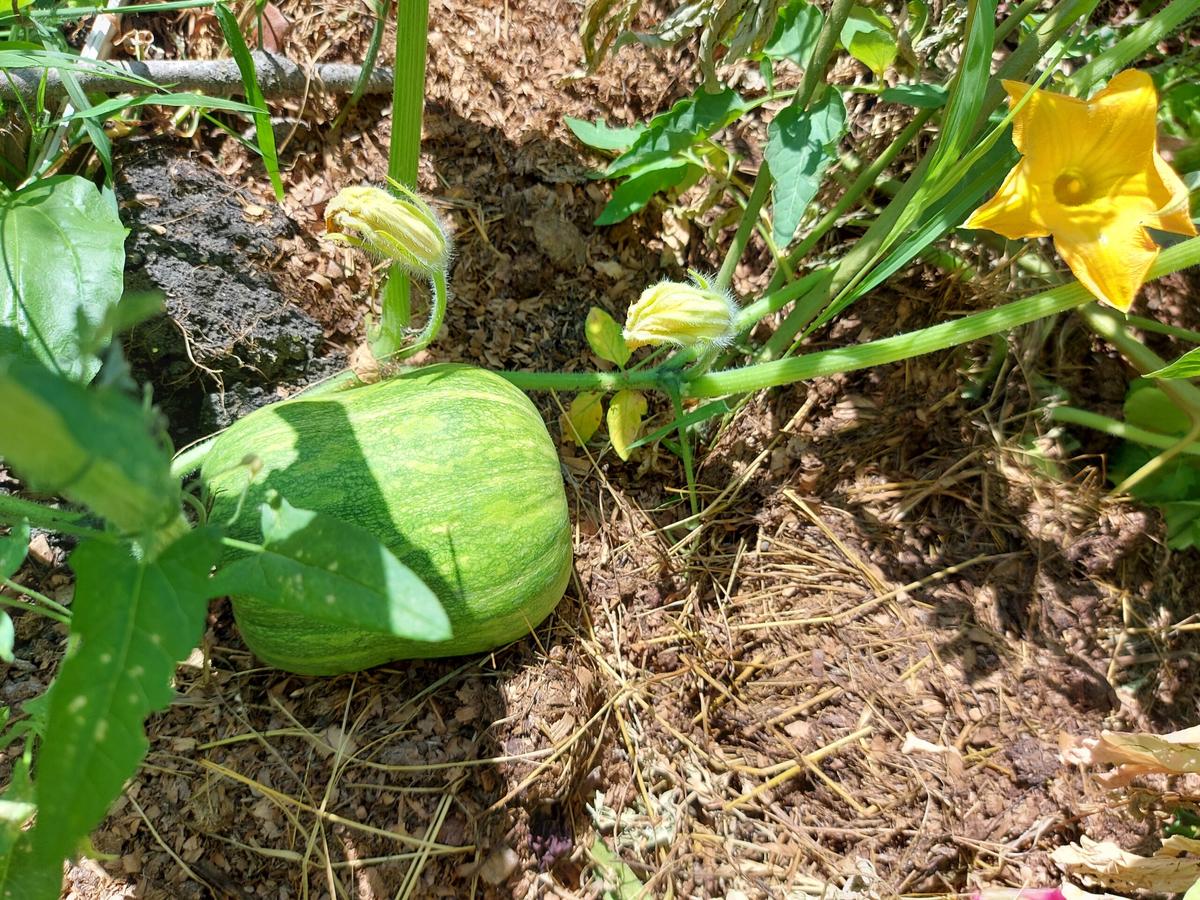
point(758, 196)
point(408, 106)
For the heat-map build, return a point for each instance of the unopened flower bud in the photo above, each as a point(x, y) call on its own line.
point(671, 312)
point(402, 228)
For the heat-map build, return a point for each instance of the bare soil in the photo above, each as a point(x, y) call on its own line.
point(731, 708)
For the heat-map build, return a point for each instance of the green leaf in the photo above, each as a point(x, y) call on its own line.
point(1193, 893)
point(918, 18)
point(605, 338)
point(635, 192)
point(133, 620)
point(1147, 406)
point(601, 136)
point(801, 144)
point(14, 547)
point(1183, 524)
point(687, 122)
point(94, 446)
point(870, 38)
point(1187, 366)
point(922, 96)
point(321, 568)
point(263, 131)
point(8, 637)
point(62, 248)
point(796, 32)
point(621, 881)
point(204, 101)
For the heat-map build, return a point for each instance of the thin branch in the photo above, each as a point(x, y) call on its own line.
point(278, 76)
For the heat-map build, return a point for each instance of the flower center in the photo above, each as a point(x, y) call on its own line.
point(1070, 189)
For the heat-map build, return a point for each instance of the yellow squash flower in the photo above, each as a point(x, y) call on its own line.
point(401, 227)
point(672, 312)
point(1091, 176)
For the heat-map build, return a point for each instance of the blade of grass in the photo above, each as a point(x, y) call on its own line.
point(263, 131)
point(116, 104)
point(368, 66)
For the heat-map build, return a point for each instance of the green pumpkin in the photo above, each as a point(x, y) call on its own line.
point(452, 468)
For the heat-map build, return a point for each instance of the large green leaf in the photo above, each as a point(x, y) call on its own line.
point(62, 260)
point(800, 146)
point(1148, 407)
point(92, 445)
point(687, 122)
point(133, 620)
point(796, 32)
point(319, 567)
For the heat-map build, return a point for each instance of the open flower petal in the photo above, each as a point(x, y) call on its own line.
point(1014, 211)
point(1111, 262)
point(1174, 215)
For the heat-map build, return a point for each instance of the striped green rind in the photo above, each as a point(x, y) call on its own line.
point(451, 466)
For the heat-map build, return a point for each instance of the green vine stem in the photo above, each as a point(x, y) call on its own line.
point(35, 607)
point(831, 32)
point(887, 350)
point(14, 509)
point(1156, 327)
point(685, 449)
point(48, 607)
point(80, 12)
point(758, 196)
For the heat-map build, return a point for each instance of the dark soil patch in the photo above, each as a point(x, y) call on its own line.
point(229, 340)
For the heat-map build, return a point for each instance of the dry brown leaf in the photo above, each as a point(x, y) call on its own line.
point(1107, 864)
point(1135, 753)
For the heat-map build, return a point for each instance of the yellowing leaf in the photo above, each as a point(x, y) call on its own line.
point(625, 414)
point(869, 38)
point(582, 419)
point(604, 337)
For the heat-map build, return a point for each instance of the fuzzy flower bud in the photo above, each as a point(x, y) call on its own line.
point(402, 228)
point(671, 312)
